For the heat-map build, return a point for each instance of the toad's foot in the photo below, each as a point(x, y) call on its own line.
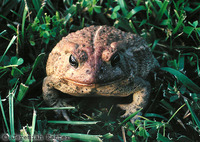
point(140, 100)
point(51, 97)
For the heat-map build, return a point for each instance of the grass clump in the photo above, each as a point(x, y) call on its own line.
point(31, 28)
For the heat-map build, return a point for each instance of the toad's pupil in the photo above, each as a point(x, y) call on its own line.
point(115, 59)
point(73, 61)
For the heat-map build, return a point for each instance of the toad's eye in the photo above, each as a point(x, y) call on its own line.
point(73, 61)
point(115, 59)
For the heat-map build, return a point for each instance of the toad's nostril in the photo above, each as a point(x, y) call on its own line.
point(102, 69)
point(88, 71)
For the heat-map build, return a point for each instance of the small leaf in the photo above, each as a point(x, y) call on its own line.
point(16, 72)
point(43, 26)
point(183, 89)
point(53, 34)
point(117, 8)
point(90, 10)
point(195, 97)
point(32, 43)
point(142, 132)
point(174, 98)
point(195, 24)
point(5, 61)
point(46, 34)
point(162, 138)
point(114, 15)
point(31, 81)
point(97, 9)
point(133, 139)
point(13, 81)
point(25, 69)
point(165, 22)
point(129, 133)
point(198, 31)
point(20, 61)
point(46, 40)
point(13, 60)
point(188, 30)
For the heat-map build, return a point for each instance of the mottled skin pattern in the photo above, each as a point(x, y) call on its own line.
point(97, 73)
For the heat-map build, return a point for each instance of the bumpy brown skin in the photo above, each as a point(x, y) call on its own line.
point(94, 48)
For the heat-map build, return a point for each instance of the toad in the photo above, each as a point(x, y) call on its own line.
point(99, 61)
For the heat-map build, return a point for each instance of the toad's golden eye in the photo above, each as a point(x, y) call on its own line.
point(115, 59)
point(73, 61)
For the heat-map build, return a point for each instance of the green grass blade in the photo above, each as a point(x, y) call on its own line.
point(82, 137)
point(134, 11)
point(155, 115)
point(195, 10)
point(180, 22)
point(1, 34)
point(12, 27)
point(33, 124)
point(123, 6)
point(11, 113)
point(154, 44)
point(55, 108)
point(8, 6)
point(36, 4)
point(132, 27)
point(161, 138)
point(108, 136)
point(23, 21)
point(4, 117)
point(162, 10)
point(51, 5)
point(24, 87)
point(6, 18)
point(4, 31)
point(184, 79)
point(128, 118)
point(192, 113)
point(40, 11)
point(197, 60)
point(22, 91)
point(17, 14)
point(149, 6)
point(8, 47)
point(74, 122)
point(36, 63)
point(175, 113)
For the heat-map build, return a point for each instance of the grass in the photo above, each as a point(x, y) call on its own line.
point(31, 28)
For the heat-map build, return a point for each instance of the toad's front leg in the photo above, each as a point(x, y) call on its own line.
point(51, 97)
point(140, 98)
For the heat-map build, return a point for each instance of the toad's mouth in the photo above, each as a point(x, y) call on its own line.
point(120, 87)
point(95, 84)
